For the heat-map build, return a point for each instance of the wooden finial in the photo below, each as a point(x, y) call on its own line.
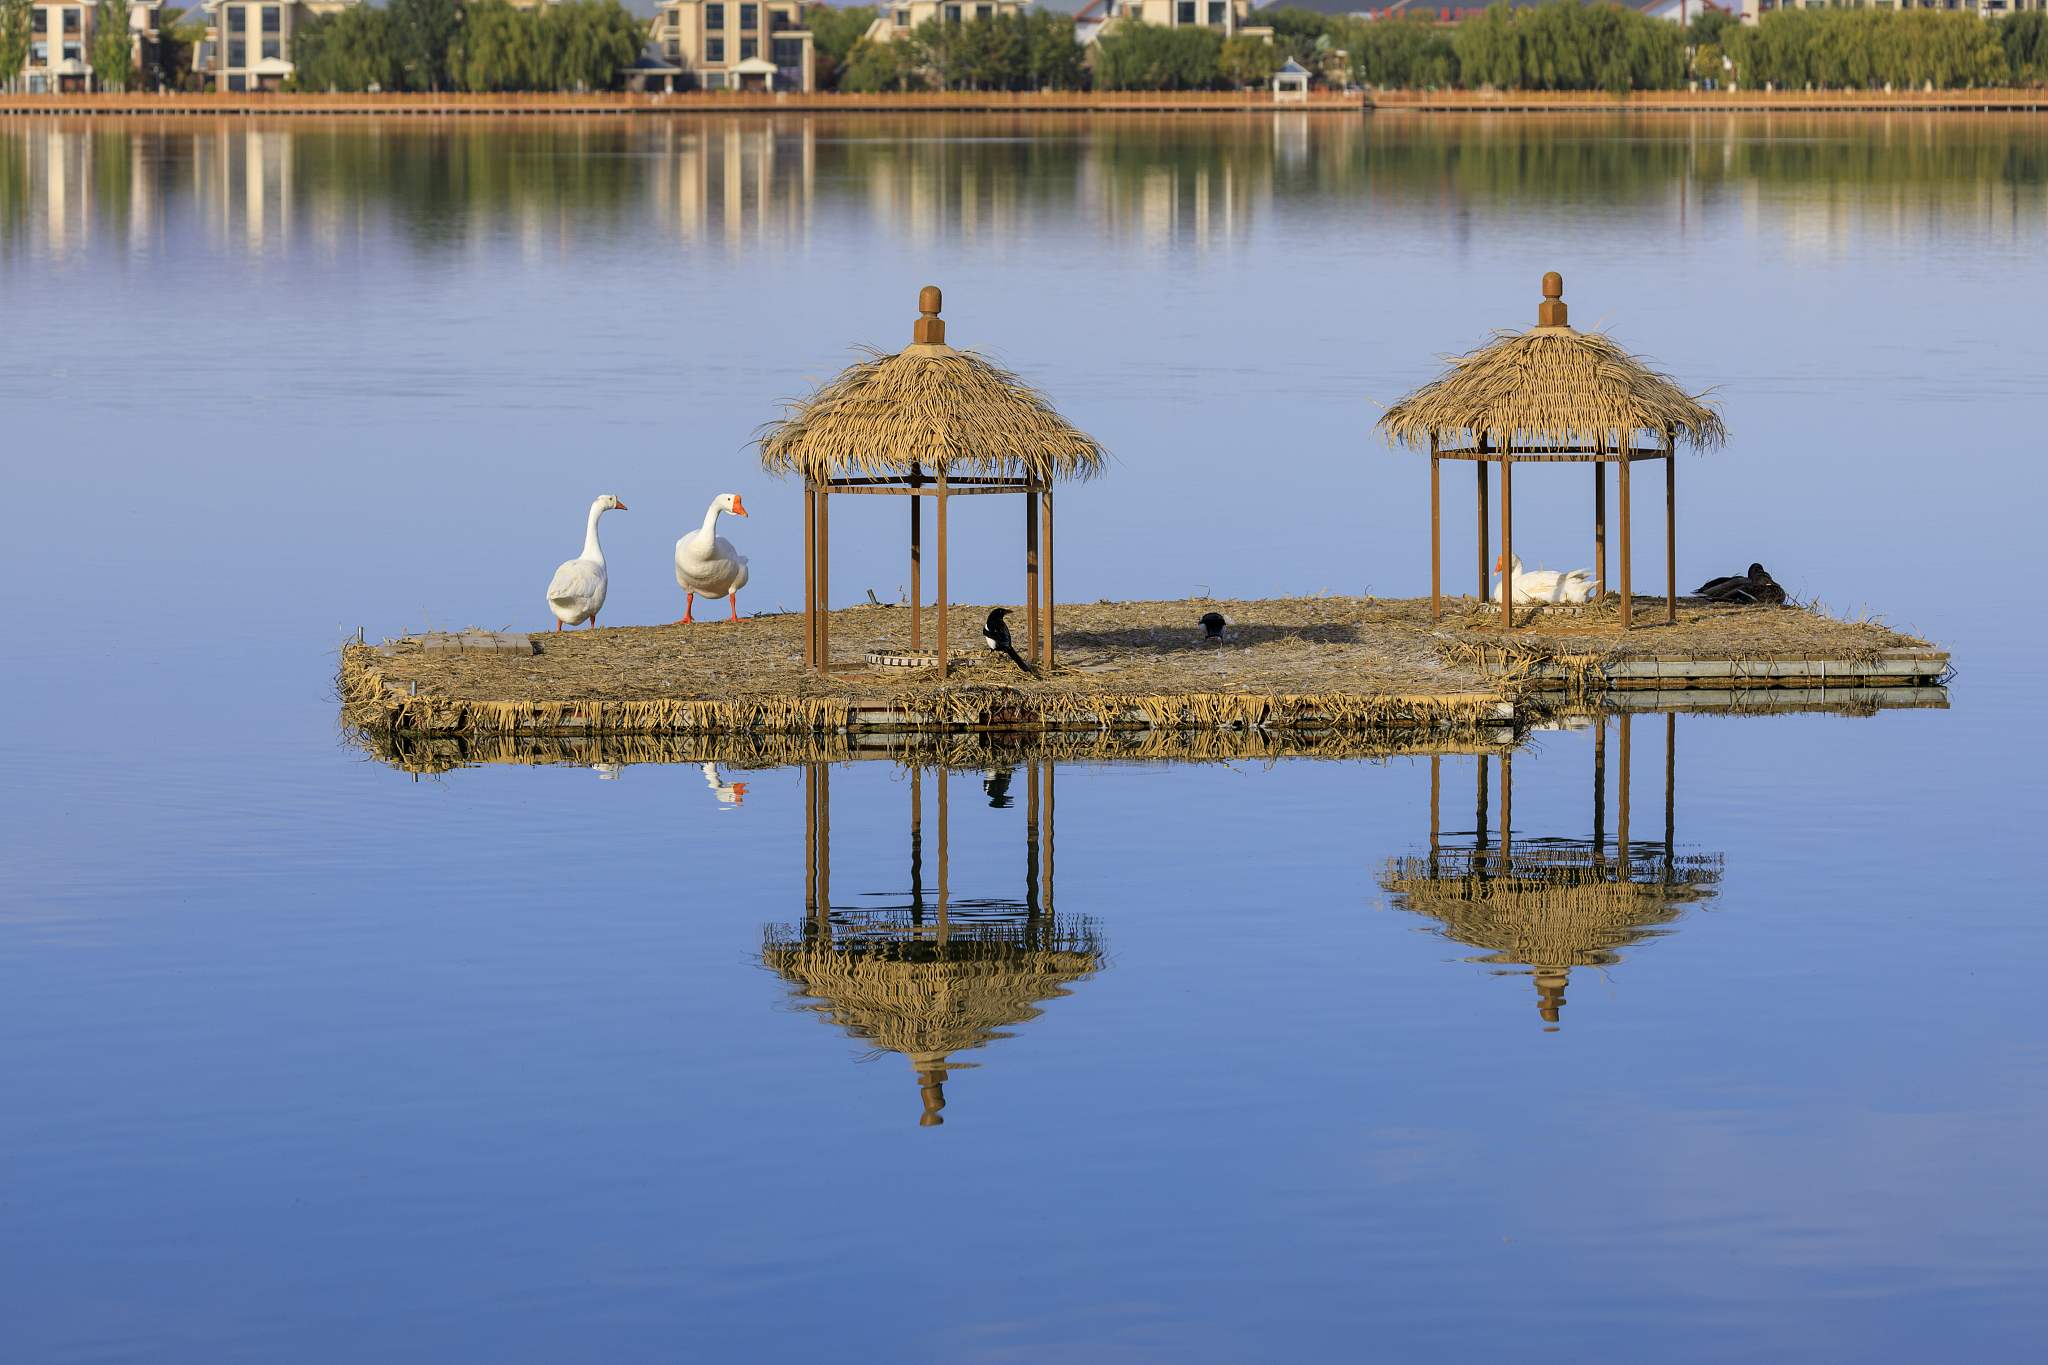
point(1551, 312)
point(930, 328)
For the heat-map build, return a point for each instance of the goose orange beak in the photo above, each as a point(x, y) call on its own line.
point(737, 510)
point(622, 506)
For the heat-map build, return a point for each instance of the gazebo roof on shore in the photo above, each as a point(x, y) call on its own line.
point(930, 406)
point(1552, 386)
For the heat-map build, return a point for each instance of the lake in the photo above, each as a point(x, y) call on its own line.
point(309, 1058)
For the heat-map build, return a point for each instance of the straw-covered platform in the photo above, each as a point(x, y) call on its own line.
point(1306, 664)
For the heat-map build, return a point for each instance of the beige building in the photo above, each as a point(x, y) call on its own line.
point(897, 21)
point(722, 45)
point(1232, 17)
point(249, 46)
point(60, 49)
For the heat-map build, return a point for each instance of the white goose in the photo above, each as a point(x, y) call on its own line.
point(576, 593)
point(1543, 585)
point(707, 564)
point(728, 793)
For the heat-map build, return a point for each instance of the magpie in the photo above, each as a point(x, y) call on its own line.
point(996, 787)
point(1213, 623)
point(996, 635)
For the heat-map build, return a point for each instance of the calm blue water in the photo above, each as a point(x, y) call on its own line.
point(305, 1060)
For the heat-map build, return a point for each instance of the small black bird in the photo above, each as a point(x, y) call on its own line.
point(1213, 623)
point(1754, 586)
point(996, 787)
point(996, 635)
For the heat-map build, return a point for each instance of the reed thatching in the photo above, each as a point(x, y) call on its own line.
point(1551, 386)
point(914, 995)
point(1548, 907)
point(927, 406)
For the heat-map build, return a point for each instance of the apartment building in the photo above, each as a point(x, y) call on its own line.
point(723, 45)
point(897, 21)
point(249, 46)
point(1232, 17)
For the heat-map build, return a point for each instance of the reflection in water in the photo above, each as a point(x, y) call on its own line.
point(932, 974)
point(1149, 183)
point(729, 794)
point(1542, 906)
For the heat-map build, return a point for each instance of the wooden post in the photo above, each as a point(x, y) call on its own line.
point(916, 555)
point(945, 775)
point(1628, 599)
point(1031, 836)
point(1436, 776)
point(1047, 832)
point(1436, 536)
point(1507, 809)
point(1045, 530)
point(810, 575)
point(1031, 575)
point(825, 845)
point(1621, 799)
point(916, 843)
point(945, 654)
point(824, 578)
point(1485, 527)
point(1600, 792)
point(1479, 806)
point(1600, 527)
point(1507, 541)
point(1670, 765)
point(1670, 529)
point(810, 839)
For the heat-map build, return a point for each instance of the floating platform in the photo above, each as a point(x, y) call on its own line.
point(1307, 664)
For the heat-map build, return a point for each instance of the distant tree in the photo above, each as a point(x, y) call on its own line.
point(833, 35)
point(1860, 49)
point(113, 48)
point(355, 49)
point(426, 31)
point(1139, 56)
point(1565, 45)
point(583, 44)
point(1054, 61)
point(1707, 62)
point(1708, 27)
point(872, 67)
point(14, 38)
point(1246, 61)
point(1403, 53)
point(2024, 36)
point(497, 47)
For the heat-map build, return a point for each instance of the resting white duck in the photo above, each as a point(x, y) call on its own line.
point(1543, 585)
point(576, 593)
point(707, 564)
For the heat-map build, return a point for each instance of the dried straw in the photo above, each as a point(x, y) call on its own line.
point(930, 406)
point(1550, 386)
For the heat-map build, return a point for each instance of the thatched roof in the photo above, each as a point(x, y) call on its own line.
point(1551, 386)
point(925, 999)
point(1548, 909)
point(932, 406)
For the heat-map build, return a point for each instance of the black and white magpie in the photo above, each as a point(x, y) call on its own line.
point(996, 635)
point(1213, 624)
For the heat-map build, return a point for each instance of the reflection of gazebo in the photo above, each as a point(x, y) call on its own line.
point(936, 974)
point(1549, 395)
point(1548, 905)
point(909, 424)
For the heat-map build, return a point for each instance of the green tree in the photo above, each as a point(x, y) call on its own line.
point(1564, 45)
point(872, 67)
point(1862, 49)
point(426, 31)
point(583, 44)
point(14, 37)
point(834, 32)
point(2025, 39)
point(355, 49)
point(1247, 61)
point(1139, 56)
point(1403, 53)
point(1706, 63)
point(1710, 26)
point(1053, 61)
point(497, 47)
point(113, 48)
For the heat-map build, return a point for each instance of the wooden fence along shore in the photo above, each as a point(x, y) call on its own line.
point(1087, 102)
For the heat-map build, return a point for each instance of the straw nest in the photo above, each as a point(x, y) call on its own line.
point(927, 406)
point(921, 997)
point(1549, 907)
point(1551, 386)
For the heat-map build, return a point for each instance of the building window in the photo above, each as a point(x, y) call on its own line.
point(778, 19)
point(787, 51)
point(238, 20)
point(39, 52)
point(238, 84)
point(952, 14)
point(1185, 12)
point(714, 80)
point(750, 48)
point(714, 50)
point(238, 52)
point(750, 18)
point(74, 52)
point(675, 49)
point(71, 20)
point(39, 21)
point(714, 16)
point(1216, 11)
point(984, 11)
point(903, 18)
point(273, 48)
point(273, 18)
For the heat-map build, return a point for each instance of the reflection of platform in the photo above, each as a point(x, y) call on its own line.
point(1547, 905)
point(934, 974)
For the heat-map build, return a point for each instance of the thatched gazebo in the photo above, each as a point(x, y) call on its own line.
point(1550, 395)
point(928, 422)
point(935, 975)
point(1551, 904)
